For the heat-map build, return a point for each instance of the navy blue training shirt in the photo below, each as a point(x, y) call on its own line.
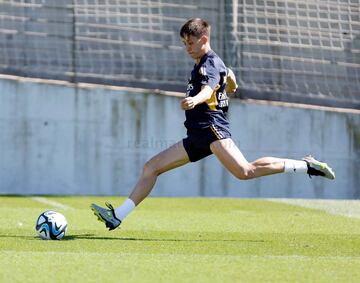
point(210, 71)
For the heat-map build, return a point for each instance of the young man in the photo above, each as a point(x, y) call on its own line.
point(205, 105)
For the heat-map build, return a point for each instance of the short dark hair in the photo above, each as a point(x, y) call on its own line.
point(195, 27)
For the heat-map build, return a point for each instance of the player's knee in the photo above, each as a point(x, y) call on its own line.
point(245, 173)
point(242, 176)
point(150, 168)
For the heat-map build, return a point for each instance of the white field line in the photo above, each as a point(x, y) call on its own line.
point(51, 203)
point(348, 208)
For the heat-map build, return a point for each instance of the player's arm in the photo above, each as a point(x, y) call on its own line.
point(231, 85)
point(190, 102)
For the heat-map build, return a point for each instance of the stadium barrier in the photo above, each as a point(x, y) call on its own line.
point(81, 139)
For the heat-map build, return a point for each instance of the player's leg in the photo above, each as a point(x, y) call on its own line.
point(232, 158)
point(166, 160)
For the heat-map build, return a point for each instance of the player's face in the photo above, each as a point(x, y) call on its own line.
point(194, 46)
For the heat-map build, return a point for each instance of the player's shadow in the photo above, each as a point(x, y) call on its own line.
point(94, 237)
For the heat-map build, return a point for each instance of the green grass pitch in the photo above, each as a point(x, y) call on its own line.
point(180, 240)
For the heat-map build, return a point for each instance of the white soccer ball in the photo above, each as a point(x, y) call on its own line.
point(51, 225)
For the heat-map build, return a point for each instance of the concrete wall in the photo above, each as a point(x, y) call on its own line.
point(57, 139)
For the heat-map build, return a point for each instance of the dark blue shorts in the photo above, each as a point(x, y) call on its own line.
point(197, 143)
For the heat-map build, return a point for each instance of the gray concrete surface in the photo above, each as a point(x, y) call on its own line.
point(58, 139)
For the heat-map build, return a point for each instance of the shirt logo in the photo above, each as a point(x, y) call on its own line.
point(223, 100)
point(190, 87)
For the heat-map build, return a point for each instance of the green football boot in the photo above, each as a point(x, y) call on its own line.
point(106, 215)
point(317, 168)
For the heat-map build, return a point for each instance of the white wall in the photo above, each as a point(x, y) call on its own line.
point(57, 139)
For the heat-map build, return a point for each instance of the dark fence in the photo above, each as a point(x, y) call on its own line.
point(298, 51)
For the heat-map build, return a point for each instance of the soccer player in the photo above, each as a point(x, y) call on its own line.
point(205, 105)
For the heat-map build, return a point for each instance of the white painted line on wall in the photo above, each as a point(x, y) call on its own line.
point(348, 208)
point(52, 203)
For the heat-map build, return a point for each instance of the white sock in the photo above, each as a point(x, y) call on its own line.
point(295, 166)
point(123, 210)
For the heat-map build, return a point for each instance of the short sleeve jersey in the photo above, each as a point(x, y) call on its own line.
point(210, 71)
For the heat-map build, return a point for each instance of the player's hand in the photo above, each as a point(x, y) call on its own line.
point(231, 85)
point(188, 103)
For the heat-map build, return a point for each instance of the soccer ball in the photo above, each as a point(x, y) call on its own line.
point(51, 225)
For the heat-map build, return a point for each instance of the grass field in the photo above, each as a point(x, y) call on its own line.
point(180, 240)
